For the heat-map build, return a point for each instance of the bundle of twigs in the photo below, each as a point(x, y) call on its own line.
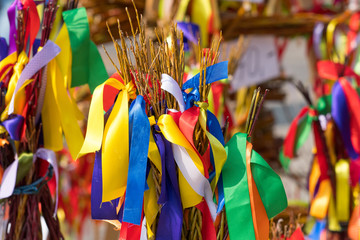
point(142, 61)
point(24, 219)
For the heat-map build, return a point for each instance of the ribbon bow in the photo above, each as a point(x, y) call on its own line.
point(115, 156)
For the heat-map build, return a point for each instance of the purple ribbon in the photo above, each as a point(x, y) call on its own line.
point(340, 113)
point(170, 220)
point(191, 33)
point(12, 22)
point(14, 125)
point(3, 48)
point(317, 35)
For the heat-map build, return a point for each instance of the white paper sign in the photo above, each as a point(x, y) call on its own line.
point(259, 63)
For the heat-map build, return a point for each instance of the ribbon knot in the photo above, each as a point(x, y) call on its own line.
point(22, 60)
point(202, 105)
point(130, 88)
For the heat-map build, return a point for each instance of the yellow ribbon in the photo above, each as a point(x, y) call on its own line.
point(218, 149)
point(151, 208)
point(320, 204)
point(314, 177)
point(19, 106)
point(173, 134)
point(332, 218)
point(342, 170)
point(330, 34)
point(59, 112)
point(11, 59)
point(114, 138)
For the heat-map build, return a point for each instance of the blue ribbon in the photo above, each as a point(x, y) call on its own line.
point(3, 48)
point(214, 73)
point(215, 129)
point(340, 113)
point(139, 127)
point(317, 229)
point(99, 210)
point(14, 125)
point(36, 46)
point(191, 33)
point(170, 220)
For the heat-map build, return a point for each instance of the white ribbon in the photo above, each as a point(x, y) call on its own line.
point(193, 176)
point(42, 58)
point(171, 86)
point(9, 177)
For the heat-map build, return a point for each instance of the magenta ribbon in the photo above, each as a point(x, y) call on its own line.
point(12, 21)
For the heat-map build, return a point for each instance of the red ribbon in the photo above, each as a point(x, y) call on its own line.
point(289, 142)
point(187, 124)
point(332, 71)
point(320, 152)
point(33, 24)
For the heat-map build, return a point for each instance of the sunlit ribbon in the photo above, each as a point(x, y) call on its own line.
point(115, 156)
point(135, 185)
point(59, 112)
point(9, 178)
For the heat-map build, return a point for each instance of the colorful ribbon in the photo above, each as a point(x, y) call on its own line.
point(249, 189)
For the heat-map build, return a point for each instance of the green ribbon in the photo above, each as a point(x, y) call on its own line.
point(25, 163)
point(324, 104)
point(237, 198)
point(87, 65)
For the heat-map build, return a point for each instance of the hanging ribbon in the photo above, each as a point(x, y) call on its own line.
point(247, 187)
point(353, 103)
point(115, 157)
point(102, 210)
point(342, 190)
point(32, 22)
point(341, 116)
point(9, 178)
point(3, 48)
point(11, 12)
point(140, 133)
point(170, 220)
point(87, 65)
